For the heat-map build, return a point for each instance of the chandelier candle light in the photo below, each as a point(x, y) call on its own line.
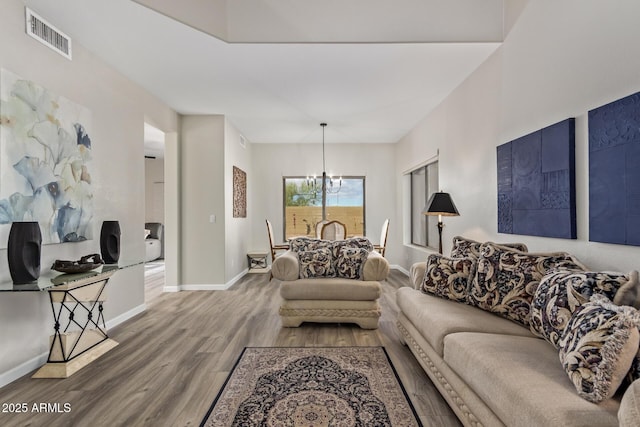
point(312, 182)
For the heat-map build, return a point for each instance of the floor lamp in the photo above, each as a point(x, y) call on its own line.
point(440, 204)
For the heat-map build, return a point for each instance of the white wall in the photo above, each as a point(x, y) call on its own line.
point(118, 110)
point(376, 162)
point(559, 60)
point(202, 195)
point(237, 230)
point(154, 178)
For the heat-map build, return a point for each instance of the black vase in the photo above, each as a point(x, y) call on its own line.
point(110, 242)
point(23, 252)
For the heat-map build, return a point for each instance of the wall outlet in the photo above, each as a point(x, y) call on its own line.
point(212, 219)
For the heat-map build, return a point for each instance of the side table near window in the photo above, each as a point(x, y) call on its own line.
point(257, 262)
point(80, 334)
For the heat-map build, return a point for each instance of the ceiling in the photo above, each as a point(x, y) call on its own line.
point(371, 69)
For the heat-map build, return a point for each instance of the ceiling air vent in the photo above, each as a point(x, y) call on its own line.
point(47, 34)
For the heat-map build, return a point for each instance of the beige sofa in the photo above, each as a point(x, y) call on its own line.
point(493, 371)
point(324, 299)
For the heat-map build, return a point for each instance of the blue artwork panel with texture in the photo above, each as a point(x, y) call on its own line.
point(536, 183)
point(614, 175)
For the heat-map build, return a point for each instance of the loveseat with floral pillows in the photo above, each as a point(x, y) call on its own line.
point(525, 339)
point(330, 281)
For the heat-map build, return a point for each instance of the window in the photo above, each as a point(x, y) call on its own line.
point(303, 205)
point(424, 182)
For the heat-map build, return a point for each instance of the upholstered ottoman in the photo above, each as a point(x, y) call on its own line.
point(330, 301)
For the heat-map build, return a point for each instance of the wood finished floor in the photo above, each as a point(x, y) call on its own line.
point(173, 359)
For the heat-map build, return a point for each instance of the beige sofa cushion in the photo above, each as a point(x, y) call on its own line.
point(629, 413)
point(435, 318)
point(522, 381)
point(330, 289)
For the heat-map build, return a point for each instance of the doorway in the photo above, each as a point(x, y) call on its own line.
point(154, 153)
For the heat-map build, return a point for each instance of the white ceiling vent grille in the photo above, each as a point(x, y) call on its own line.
point(47, 34)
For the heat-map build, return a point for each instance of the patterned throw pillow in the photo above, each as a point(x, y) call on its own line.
point(350, 263)
point(354, 242)
point(562, 292)
point(307, 244)
point(506, 279)
point(448, 277)
point(598, 347)
point(467, 248)
point(316, 263)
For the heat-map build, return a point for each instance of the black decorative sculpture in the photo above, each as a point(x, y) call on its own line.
point(23, 252)
point(110, 242)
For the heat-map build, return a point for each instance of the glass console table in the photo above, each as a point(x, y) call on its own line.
point(80, 333)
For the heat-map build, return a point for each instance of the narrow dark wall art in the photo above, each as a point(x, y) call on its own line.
point(614, 172)
point(536, 183)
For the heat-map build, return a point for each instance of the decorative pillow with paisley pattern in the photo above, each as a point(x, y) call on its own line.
point(316, 263)
point(561, 292)
point(354, 242)
point(467, 248)
point(506, 279)
point(350, 263)
point(307, 244)
point(448, 277)
point(598, 347)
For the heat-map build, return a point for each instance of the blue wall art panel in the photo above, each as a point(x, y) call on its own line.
point(614, 172)
point(45, 156)
point(536, 183)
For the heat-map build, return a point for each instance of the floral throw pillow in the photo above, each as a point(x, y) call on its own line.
point(598, 347)
point(354, 242)
point(316, 263)
point(467, 248)
point(350, 263)
point(448, 277)
point(506, 280)
point(561, 292)
point(306, 244)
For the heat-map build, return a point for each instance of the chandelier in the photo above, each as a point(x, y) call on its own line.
point(326, 184)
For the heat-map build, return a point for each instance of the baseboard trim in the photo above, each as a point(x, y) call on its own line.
point(39, 360)
point(125, 316)
point(203, 287)
point(171, 289)
point(212, 287)
point(400, 268)
point(23, 369)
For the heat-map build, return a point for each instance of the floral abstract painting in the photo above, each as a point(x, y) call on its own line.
point(45, 151)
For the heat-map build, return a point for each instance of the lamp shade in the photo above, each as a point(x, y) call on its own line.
point(440, 204)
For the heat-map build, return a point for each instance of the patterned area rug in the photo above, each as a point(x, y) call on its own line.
point(312, 387)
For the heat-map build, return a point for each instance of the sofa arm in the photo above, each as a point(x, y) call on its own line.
point(629, 411)
point(416, 274)
point(376, 267)
point(285, 266)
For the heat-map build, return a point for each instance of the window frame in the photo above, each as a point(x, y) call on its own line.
point(344, 177)
point(430, 223)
